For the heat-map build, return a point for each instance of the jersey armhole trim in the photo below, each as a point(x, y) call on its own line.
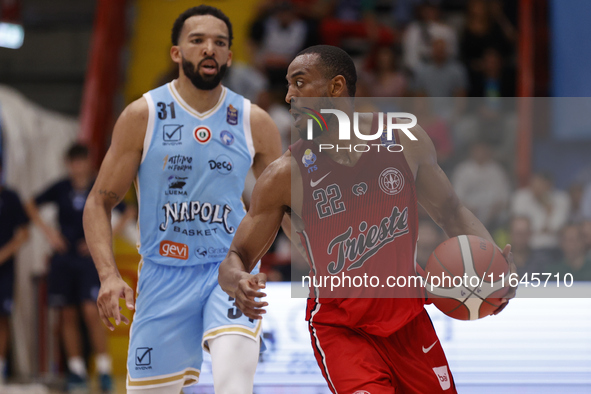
point(150, 127)
point(247, 129)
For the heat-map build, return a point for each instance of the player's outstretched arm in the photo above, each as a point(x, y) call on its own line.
point(436, 194)
point(270, 201)
point(117, 172)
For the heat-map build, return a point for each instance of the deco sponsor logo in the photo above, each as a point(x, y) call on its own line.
point(222, 164)
point(174, 250)
point(178, 163)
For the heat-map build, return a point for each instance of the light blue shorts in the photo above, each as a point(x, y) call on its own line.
point(178, 309)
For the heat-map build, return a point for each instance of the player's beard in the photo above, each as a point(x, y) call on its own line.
point(201, 82)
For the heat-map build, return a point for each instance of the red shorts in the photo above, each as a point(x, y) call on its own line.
point(409, 361)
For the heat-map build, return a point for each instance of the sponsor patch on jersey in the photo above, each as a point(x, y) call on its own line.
point(360, 189)
point(391, 181)
point(232, 115)
point(227, 137)
point(174, 250)
point(171, 134)
point(177, 163)
point(222, 164)
point(202, 134)
point(385, 141)
point(211, 252)
point(309, 158)
point(443, 377)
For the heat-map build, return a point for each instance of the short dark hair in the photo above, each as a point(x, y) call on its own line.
point(200, 10)
point(77, 151)
point(335, 62)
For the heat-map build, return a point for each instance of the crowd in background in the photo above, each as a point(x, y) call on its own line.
point(424, 52)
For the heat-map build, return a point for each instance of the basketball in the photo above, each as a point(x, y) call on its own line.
point(466, 277)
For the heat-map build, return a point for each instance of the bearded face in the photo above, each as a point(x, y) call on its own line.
point(207, 75)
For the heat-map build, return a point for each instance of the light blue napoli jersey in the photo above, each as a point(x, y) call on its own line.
point(191, 177)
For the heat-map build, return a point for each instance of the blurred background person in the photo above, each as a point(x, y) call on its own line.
point(486, 28)
point(441, 79)
point(482, 186)
point(519, 237)
point(574, 259)
point(13, 234)
point(420, 35)
point(575, 193)
point(73, 279)
point(276, 38)
point(437, 129)
point(383, 76)
point(547, 209)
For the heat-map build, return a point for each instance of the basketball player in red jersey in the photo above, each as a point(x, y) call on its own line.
point(362, 345)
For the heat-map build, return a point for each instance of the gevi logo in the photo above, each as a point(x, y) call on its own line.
point(345, 128)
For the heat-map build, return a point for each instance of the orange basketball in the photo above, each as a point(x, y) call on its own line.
point(466, 277)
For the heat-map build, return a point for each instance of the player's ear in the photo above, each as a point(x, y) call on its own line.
point(175, 54)
point(229, 62)
point(337, 86)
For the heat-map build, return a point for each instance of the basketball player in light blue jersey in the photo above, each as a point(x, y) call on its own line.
point(187, 146)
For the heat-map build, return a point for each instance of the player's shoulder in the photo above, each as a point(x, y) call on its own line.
point(417, 144)
point(138, 109)
point(130, 129)
point(280, 169)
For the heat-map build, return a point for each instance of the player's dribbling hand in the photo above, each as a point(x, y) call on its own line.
point(247, 292)
point(512, 290)
point(112, 289)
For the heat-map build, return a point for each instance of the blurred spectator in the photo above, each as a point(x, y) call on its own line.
point(274, 103)
point(574, 260)
point(486, 27)
point(492, 80)
point(586, 202)
point(73, 280)
point(420, 35)
point(443, 77)
point(276, 39)
point(575, 192)
point(430, 236)
point(403, 11)
point(354, 19)
point(586, 228)
point(436, 128)
point(384, 77)
point(491, 116)
point(246, 80)
point(13, 233)
point(482, 186)
point(525, 259)
point(547, 209)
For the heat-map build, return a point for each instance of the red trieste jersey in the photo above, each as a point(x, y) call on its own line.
point(360, 223)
